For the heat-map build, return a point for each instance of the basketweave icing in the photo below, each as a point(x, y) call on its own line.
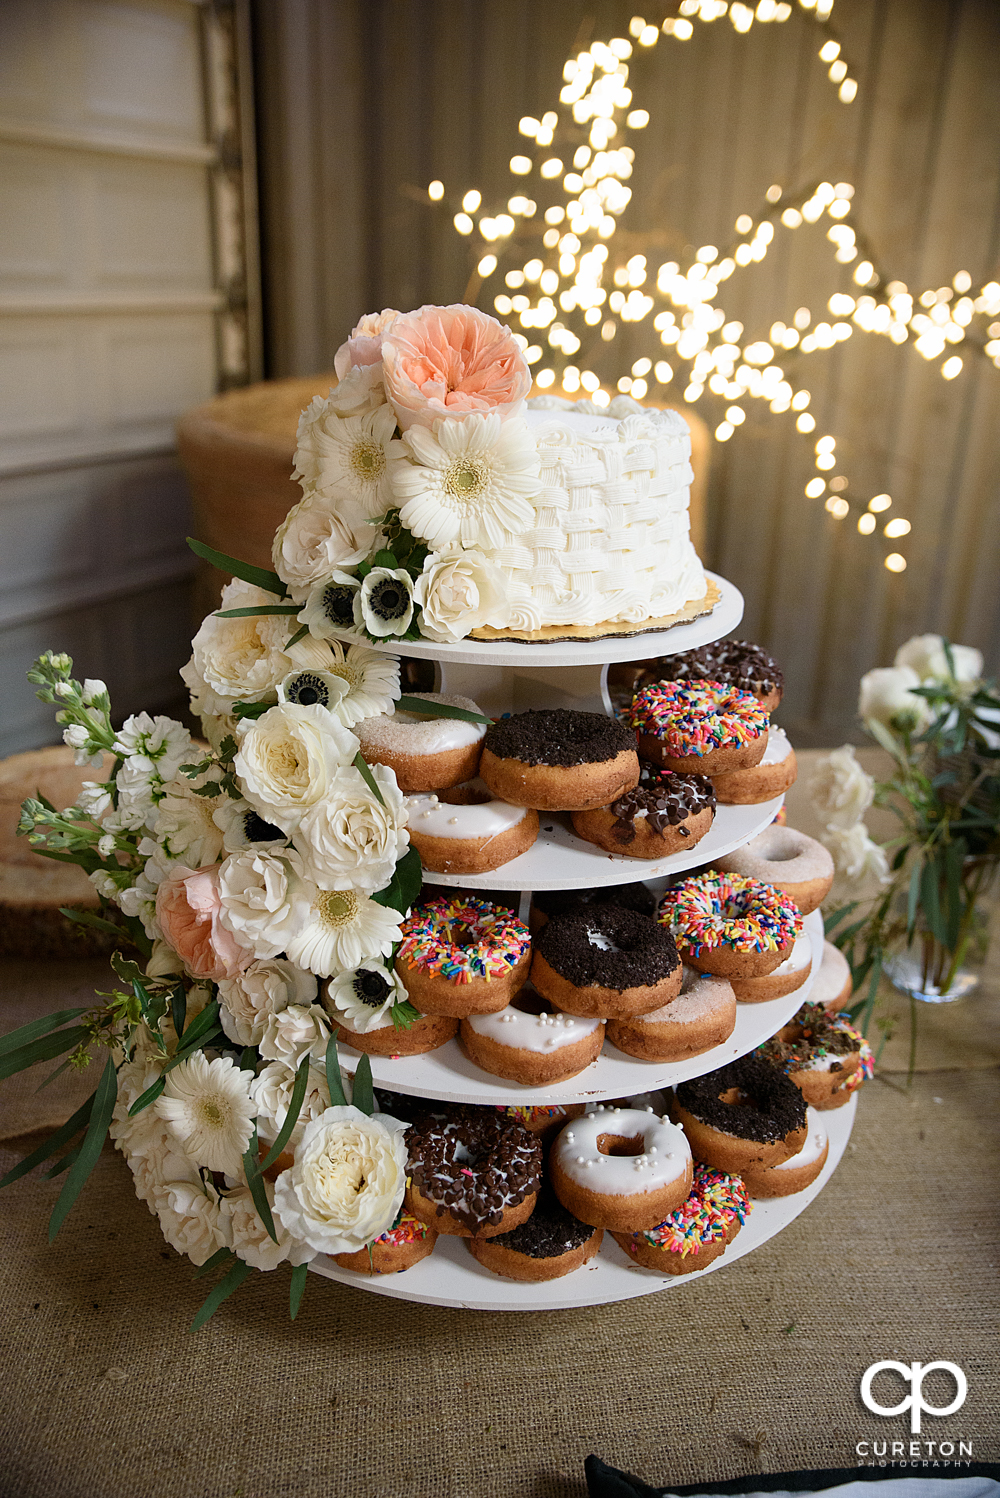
point(611, 538)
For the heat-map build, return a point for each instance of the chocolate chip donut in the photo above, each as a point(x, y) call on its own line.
point(605, 962)
point(558, 760)
point(473, 1173)
point(746, 1113)
point(739, 663)
point(665, 813)
point(823, 1054)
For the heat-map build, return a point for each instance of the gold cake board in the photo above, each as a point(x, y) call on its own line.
point(695, 608)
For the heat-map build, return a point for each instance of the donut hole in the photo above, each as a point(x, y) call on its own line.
point(461, 935)
point(464, 795)
point(620, 1144)
point(529, 1001)
point(735, 1097)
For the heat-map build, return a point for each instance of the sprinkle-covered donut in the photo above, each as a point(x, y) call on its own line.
point(465, 830)
point(472, 1172)
point(738, 663)
point(621, 1169)
point(823, 1054)
point(746, 1113)
point(702, 1016)
point(426, 753)
point(557, 760)
point(400, 1247)
point(786, 978)
point(531, 1048)
point(545, 903)
point(699, 1232)
point(550, 1244)
point(605, 961)
point(834, 983)
point(799, 865)
point(542, 1118)
point(797, 1173)
point(462, 956)
point(774, 774)
point(663, 814)
point(731, 926)
point(704, 728)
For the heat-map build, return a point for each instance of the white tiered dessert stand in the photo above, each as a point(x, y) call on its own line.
point(511, 677)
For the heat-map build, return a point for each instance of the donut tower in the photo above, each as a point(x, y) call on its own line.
point(602, 998)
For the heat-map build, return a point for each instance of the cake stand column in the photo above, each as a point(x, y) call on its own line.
point(515, 689)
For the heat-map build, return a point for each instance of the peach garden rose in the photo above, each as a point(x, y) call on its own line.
point(452, 361)
point(188, 908)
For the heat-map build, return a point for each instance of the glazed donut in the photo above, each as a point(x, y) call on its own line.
point(705, 728)
point(621, 1169)
point(400, 1247)
point(462, 957)
point(531, 1048)
point(558, 760)
point(550, 1244)
point(542, 1118)
point(822, 1054)
point(729, 925)
point(605, 962)
point(426, 753)
point(427, 1033)
point(772, 776)
point(833, 984)
point(463, 830)
point(738, 663)
point(546, 903)
point(799, 865)
point(664, 813)
point(699, 1232)
point(797, 1173)
point(702, 1016)
point(472, 1172)
point(746, 1113)
point(786, 978)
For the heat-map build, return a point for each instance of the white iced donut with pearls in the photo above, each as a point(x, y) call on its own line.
point(797, 864)
point(702, 1016)
point(427, 753)
point(797, 1173)
point(532, 1048)
point(621, 1168)
point(465, 829)
point(785, 979)
point(772, 776)
point(832, 984)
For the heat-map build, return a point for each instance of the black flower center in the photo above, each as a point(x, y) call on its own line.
point(338, 603)
point(388, 600)
point(307, 688)
point(371, 988)
point(256, 830)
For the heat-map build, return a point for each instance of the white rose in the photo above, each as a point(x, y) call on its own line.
point(925, 654)
point(841, 791)
point(287, 758)
point(295, 1032)
point(267, 986)
point(886, 697)
point(133, 1135)
point(347, 1183)
point(459, 591)
point(242, 660)
point(317, 536)
point(249, 1238)
point(271, 1093)
point(258, 892)
point(349, 840)
point(365, 996)
point(191, 1221)
point(161, 1162)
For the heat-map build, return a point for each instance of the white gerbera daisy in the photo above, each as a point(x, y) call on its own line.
point(364, 996)
point(372, 682)
point(469, 481)
point(207, 1105)
point(348, 458)
point(339, 929)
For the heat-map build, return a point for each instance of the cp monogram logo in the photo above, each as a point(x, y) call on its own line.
point(914, 1374)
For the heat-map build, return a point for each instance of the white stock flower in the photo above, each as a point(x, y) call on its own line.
point(297, 1031)
point(272, 1093)
point(384, 603)
point(336, 929)
point(348, 461)
point(163, 741)
point(256, 890)
point(349, 840)
point(249, 1238)
point(191, 1221)
point(318, 536)
point(238, 660)
point(207, 1105)
point(364, 996)
point(267, 986)
point(840, 789)
point(925, 654)
point(885, 696)
point(347, 1183)
point(94, 799)
point(459, 591)
point(287, 757)
point(470, 481)
point(861, 864)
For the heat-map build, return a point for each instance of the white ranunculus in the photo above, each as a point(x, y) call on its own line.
point(207, 1105)
point(297, 1031)
point(459, 591)
point(364, 996)
point(267, 986)
point(317, 536)
point(840, 789)
point(384, 602)
point(191, 1221)
point(249, 1238)
point(885, 696)
point(348, 840)
point(861, 864)
point(258, 892)
point(238, 660)
point(925, 654)
point(287, 759)
point(185, 828)
point(271, 1092)
point(347, 1183)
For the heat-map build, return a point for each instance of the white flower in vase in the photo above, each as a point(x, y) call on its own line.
point(459, 591)
point(266, 987)
point(295, 1032)
point(861, 864)
point(349, 840)
point(364, 997)
point(287, 758)
point(384, 603)
point(925, 654)
point(207, 1105)
point(272, 1091)
point(886, 697)
point(840, 789)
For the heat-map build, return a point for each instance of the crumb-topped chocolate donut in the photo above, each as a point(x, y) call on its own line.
point(665, 813)
point(699, 1232)
point(472, 1172)
point(605, 962)
point(545, 903)
point(702, 727)
point(550, 1244)
point(739, 663)
point(822, 1054)
point(463, 956)
point(557, 760)
point(746, 1113)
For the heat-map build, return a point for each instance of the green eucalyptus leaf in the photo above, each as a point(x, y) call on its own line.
point(199, 1027)
point(299, 634)
point(227, 1286)
point(151, 1094)
point(408, 704)
point(362, 766)
point(15, 1040)
point(260, 577)
point(43, 1049)
point(220, 1257)
point(291, 1118)
point(836, 916)
point(64, 1163)
point(252, 1165)
point(85, 918)
point(178, 1008)
point(259, 612)
point(913, 900)
point(93, 1143)
point(251, 709)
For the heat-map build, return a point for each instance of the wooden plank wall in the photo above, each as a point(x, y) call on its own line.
point(363, 102)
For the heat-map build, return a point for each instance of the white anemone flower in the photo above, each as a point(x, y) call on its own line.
point(470, 481)
point(372, 682)
point(329, 608)
point(340, 928)
point(384, 604)
point(243, 827)
point(207, 1105)
point(307, 687)
point(364, 996)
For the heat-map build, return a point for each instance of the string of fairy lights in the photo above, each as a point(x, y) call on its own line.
point(582, 152)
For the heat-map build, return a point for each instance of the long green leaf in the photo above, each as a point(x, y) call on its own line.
point(954, 858)
point(300, 1275)
point(913, 900)
point(200, 1026)
point(220, 1257)
point(361, 764)
point(291, 1117)
point(439, 710)
point(255, 1181)
point(836, 916)
point(97, 1132)
point(84, 918)
point(362, 1093)
point(930, 900)
point(403, 888)
point(227, 1286)
point(15, 1040)
point(259, 576)
point(41, 1050)
point(64, 1164)
point(149, 1096)
point(261, 610)
point(299, 634)
point(53, 1144)
point(334, 1081)
point(178, 1008)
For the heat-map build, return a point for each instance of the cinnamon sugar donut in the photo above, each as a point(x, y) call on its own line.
point(472, 1172)
point(621, 1169)
point(797, 1173)
point(731, 926)
point(739, 663)
point(774, 774)
point(746, 1113)
point(460, 957)
point(426, 753)
point(558, 760)
point(427, 1033)
point(703, 728)
point(799, 865)
point(702, 1016)
point(833, 984)
point(545, 903)
point(823, 1054)
point(550, 1244)
point(665, 813)
point(465, 830)
point(699, 1232)
point(400, 1247)
point(604, 962)
point(786, 978)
